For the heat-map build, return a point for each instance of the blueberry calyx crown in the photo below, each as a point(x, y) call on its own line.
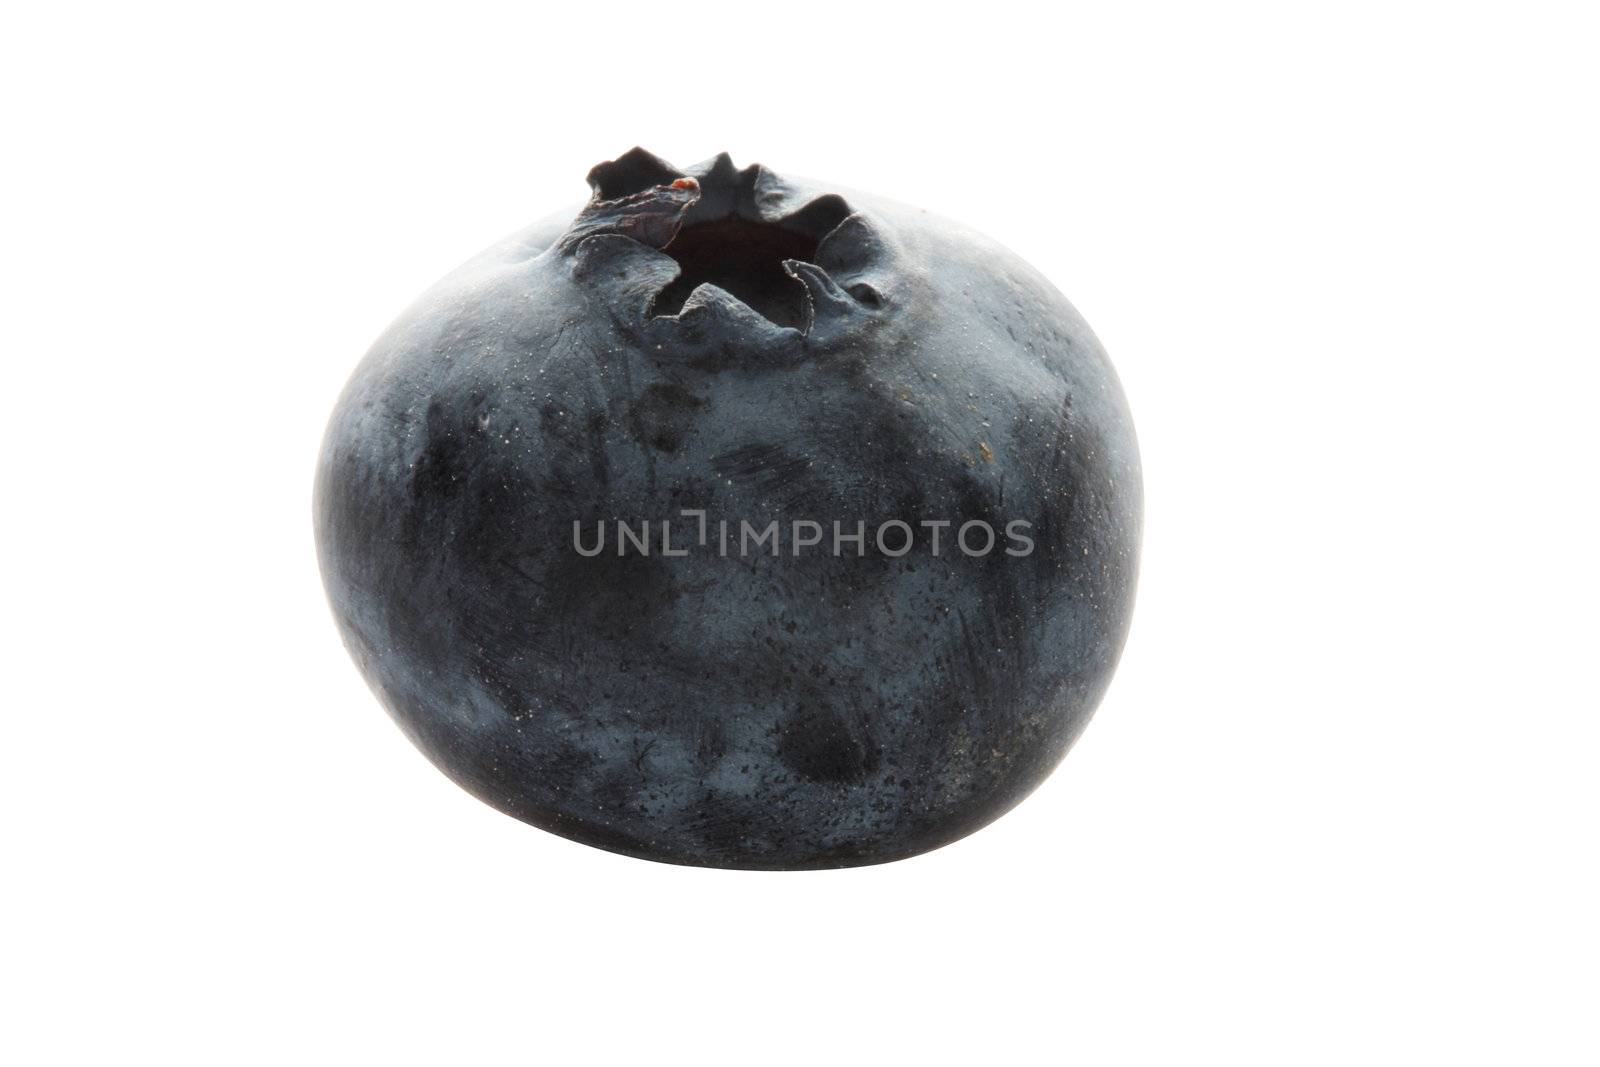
point(715, 242)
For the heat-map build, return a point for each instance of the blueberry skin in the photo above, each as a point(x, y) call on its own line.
point(753, 712)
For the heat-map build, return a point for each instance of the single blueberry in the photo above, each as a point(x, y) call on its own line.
point(736, 522)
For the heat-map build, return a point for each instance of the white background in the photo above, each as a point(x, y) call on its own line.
point(1340, 804)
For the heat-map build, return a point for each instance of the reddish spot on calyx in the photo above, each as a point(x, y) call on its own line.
point(685, 183)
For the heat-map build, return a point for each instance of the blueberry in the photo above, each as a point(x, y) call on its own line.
point(736, 522)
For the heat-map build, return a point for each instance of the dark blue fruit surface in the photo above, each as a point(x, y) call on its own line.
point(756, 349)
